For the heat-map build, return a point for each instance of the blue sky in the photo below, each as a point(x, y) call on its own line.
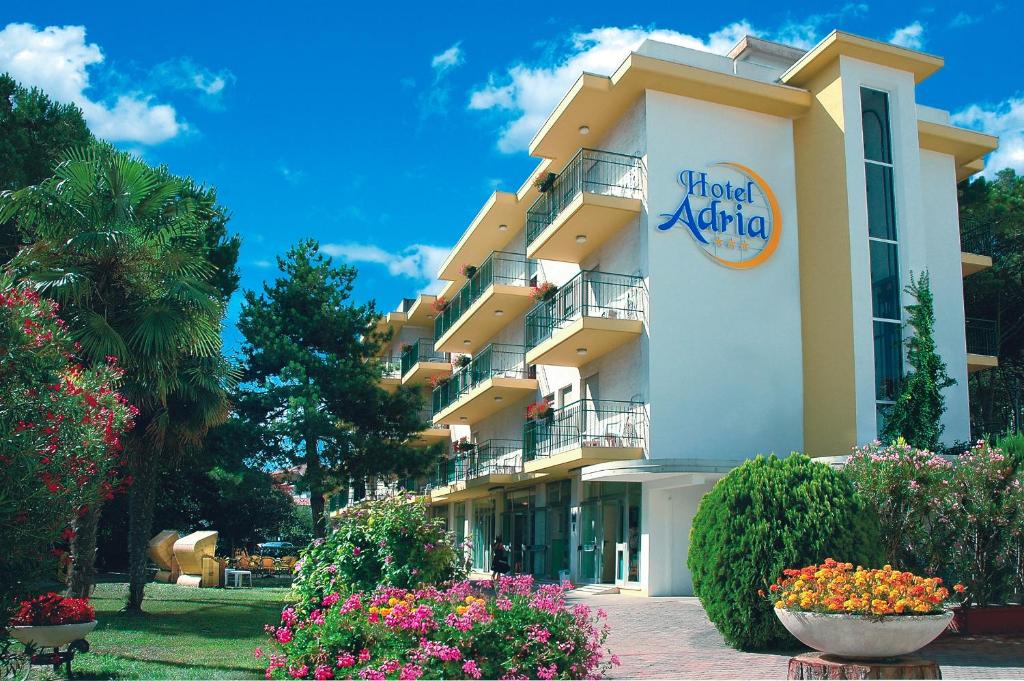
point(381, 133)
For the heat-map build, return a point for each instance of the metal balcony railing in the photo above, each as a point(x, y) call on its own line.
point(513, 269)
point(588, 294)
point(586, 423)
point(390, 367)
point(421, 351)
point(977, 236)
point(982, 336)
point(491, 456)
point(590, 171)
point(495, 360)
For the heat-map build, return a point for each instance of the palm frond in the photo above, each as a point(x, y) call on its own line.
point(98, 338)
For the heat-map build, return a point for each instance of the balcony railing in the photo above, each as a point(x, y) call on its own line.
point(982, 337)
point(421, 351)
point(586, 423)
point(590, 171)
point(588, 294)
point(499, 457)
point(497, 360)
point(977, 236)
point(390, 367)
point(513, 269)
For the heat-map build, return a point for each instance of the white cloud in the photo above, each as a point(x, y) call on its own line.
point(1006, 120)
point(910, 36)
point(291, 175)
point(531, 92)
point(419, 262)
point(57, 60)
point(186, 75)
point(263, 264)
point(448, 59)
point(963, 19)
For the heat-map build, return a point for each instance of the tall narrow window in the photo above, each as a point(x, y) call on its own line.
point(884, 250)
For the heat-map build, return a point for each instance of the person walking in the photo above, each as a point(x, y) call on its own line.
point(499, 559)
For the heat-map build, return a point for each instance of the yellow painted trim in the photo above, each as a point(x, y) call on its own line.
point(599, 101)
point(981, 362)
point(840, 43)
point(514, 385)
point(421, 313)
point(500, 208)
point(600, 216)
point(972, 263)
point(419, 372)
point(457, 328)
point(581, 456)
point(968, 169)
point(826, 290)
point(966, 146)
point(618, 331)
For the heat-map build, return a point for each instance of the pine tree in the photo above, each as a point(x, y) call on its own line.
point(918, 410)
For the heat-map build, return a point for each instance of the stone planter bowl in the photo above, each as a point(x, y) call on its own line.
point(861, 637)
point(54, 636)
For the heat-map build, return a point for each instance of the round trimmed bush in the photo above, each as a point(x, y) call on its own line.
point(765, 516)
point(390, 542)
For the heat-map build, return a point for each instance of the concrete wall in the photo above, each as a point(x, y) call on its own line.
point(725, 346)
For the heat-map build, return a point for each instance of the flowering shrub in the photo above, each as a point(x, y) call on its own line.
point(462, 361)
point(468, 270)
point(440, 304)
point(538, 410)
point(545, 291)
point(761, 518)
point(453, 633)
point(961, 519)
point(437, 380)
point(52, 609)
point(836, 588)
point(60, 438)
point(391, 542)
point(463, 446)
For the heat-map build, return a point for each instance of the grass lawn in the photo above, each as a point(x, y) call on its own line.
point(184, 634)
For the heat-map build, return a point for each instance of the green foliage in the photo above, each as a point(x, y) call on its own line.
point(960, 519)
point(60, 439)
point(123, 247)
point(765, 516)
point(312, 380)
point(34, 132)
point(916, 416)
point(992, 222)
point(391, 542)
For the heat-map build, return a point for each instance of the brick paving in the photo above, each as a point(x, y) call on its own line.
point(671, 638)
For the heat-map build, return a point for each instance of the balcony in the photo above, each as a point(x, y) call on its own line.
point(498, 291)
point(420, 362)
point(496, 377)
point(596, 194)
point(584, 433)
point(390, 373)
point(977, 244)
point(477, 468)
point(982, 344)
point(589, 316)
point(432, 434)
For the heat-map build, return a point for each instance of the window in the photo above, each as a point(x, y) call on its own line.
point(886, 311)
point(565, 396)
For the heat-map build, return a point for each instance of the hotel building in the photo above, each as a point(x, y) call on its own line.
point(722, 245)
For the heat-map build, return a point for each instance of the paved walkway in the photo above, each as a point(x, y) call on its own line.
point(671, 638)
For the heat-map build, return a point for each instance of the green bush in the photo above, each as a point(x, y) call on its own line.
point(391, 542)
point(765, 516)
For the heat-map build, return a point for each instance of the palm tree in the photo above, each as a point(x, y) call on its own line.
point(121, 247)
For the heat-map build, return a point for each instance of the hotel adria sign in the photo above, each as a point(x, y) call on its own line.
point(731, 213)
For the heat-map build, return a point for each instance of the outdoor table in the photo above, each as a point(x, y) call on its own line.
point(237, 576)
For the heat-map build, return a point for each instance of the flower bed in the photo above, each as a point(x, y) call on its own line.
point(448, 633)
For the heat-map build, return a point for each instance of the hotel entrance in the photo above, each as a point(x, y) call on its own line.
point(610, 534)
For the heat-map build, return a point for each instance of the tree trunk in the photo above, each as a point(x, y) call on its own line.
point(140, 529)
point(822, 666)
point(83, 553)
point(314, 476)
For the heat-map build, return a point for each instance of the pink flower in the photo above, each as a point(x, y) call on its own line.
point(298, 672)
point(283, 635)
point(547, 672)
point(346, 660)
point(616, 661)
point(329, 600)
point(471, 670)
point(390, 666)
point(332, 569)
point(503, 603)
point(410, 671)
point(258, 653)
point(364, 655)
point(323, 672)
point(356, 551)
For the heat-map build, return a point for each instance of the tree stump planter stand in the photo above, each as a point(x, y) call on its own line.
point(825, 666)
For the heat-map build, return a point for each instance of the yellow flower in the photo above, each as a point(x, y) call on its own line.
point(392, 601)
point(469, 600)
point(461, 610)
point(374, 610)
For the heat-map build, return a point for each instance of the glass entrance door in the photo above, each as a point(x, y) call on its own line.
point(591, 541)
